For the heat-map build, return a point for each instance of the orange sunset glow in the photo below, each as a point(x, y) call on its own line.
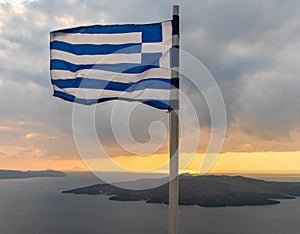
point(230, 162)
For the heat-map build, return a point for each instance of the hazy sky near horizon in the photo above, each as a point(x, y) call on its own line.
point(252, 49)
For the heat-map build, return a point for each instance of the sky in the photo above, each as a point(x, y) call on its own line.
point(251, 49)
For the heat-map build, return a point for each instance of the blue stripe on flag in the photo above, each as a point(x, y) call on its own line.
point(159, 104)
point(90, 49)
point(129, 68)
point(150, 32)
point(80, 82)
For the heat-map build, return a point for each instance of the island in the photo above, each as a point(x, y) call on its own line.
point(13, 174)
point(205, 191)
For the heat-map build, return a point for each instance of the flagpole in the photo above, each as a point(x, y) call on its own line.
point(174, 127)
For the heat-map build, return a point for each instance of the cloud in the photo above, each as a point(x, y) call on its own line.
point(252, 49)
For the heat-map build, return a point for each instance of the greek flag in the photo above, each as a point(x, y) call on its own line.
point(94, 64)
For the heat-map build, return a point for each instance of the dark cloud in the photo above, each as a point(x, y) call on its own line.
point(251, 48)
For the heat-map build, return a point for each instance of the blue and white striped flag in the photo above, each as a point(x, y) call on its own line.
point(99, 63)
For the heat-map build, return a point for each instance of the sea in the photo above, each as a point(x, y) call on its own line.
point(38, 206)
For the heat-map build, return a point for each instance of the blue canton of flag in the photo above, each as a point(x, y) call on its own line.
point(99, 63)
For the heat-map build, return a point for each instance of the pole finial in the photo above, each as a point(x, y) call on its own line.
point(175, 9)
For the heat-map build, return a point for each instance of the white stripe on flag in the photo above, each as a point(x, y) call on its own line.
point(155, 47)
point(151, 94)
point(167, 41)
point(97, 39)
point(96, 59)
point(164, 60)
point(167, 32)
point(112, 76)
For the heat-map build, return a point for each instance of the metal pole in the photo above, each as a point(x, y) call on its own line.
point(174, 127)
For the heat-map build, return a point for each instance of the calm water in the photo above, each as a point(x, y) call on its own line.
point(29, 206)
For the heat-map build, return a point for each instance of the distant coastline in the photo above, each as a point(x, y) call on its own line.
point(14, 174)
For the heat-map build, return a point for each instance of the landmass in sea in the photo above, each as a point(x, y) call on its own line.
point(206, 191)
point(13, 174)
